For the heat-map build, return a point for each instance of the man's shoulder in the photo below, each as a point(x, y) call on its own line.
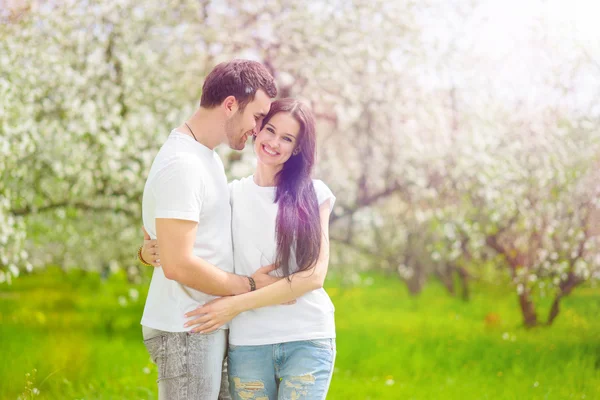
point(175, 168)
point(218, 159)
point(167, 159)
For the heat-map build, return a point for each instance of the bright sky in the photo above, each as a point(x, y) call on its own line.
point(521, 48)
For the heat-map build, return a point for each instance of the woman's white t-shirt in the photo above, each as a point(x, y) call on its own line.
point(254, 213)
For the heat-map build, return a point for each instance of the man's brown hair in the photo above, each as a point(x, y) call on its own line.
point(238, 78)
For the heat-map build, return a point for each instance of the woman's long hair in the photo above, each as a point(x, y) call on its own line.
point(298, 225)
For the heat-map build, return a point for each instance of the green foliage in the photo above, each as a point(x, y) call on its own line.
point(81, 333)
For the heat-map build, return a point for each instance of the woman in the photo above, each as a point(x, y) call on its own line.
point(279, 216)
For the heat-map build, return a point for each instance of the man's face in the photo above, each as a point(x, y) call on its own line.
point(245, 123)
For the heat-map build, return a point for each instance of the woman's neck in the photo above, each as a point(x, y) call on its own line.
point(265, 174)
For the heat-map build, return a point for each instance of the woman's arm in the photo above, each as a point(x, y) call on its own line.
point(220, 311)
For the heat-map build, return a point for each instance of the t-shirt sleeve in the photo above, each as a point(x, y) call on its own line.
point(324, 193)
point(179, 190)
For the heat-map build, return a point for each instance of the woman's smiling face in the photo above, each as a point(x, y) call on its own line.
point(278, 139)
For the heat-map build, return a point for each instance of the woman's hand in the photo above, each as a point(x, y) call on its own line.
point(150, 252)
point(213, 315)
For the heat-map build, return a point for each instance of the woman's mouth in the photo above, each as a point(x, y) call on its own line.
point(269, 151)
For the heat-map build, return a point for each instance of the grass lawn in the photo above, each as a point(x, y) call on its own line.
point(77, 336)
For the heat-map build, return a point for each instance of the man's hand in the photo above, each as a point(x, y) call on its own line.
point(262, 278)
point(150, 252)
point(262, 275)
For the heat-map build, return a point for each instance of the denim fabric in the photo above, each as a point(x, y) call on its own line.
point(190, 366)
point(299, 370)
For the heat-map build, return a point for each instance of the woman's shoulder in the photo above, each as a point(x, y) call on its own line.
point(323, 192)
point(239, 182)
point(240, 186)
point(319, 185)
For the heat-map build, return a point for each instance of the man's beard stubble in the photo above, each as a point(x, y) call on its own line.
point(235, 141)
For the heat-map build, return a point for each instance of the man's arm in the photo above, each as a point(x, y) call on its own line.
point(176, 240)
point(179, 192)
point(150, 256)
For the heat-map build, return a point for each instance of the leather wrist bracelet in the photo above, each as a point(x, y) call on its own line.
point(252, 283)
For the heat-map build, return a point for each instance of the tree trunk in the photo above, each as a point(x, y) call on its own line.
point(565, 289)
point(414, 285)
point(464, 282)
point(415, 282)
point(528, 310)
point(554, 310)
point(445, 275)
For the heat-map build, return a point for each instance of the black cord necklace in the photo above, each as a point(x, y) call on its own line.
point(191, 131)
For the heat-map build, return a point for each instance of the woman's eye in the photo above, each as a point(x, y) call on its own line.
point(287, 139)
point(271, 130)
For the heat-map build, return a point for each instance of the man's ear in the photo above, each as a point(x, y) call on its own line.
point(230, 105)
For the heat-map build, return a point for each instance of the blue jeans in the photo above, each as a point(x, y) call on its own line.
point(283, 371)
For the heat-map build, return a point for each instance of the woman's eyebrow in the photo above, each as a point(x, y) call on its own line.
point(275, 129)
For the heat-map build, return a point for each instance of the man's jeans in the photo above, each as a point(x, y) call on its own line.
point(286, 371)
point(190, 365)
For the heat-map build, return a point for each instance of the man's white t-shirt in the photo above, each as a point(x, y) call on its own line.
point(186, 181)
point(254, 215)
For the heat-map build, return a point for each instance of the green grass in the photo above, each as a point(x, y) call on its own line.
point(78, 337)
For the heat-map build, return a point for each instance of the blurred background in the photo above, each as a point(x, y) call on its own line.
point(461, 138)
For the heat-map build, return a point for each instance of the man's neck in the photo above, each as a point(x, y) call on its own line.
point(205, 126)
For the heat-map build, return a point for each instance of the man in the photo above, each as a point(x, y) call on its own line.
point(186, 208)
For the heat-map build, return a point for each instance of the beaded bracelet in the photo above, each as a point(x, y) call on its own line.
point(141, 258)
